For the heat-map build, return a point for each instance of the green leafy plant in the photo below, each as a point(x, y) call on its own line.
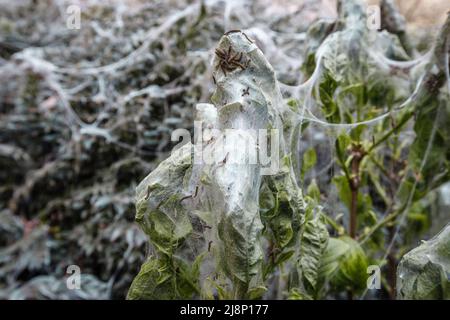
point(226, 230)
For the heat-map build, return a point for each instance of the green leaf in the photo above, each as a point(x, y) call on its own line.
point(309, 161)
point(423, 272)
point(295, 294)
point(284, 256)
point(312, 246)
point(351, 272)
point(159, 211)
point(326, 91)
point(356, 133)
point(341, 144)
point(282, 228)
point(429, 154)
point(313, 191)
point(343, 189)
point(335, 249)
point(256, 292)
point(158, 280)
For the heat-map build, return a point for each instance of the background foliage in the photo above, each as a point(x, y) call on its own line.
point(86, 114)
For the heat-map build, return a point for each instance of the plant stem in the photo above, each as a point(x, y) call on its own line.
point(380, 224)
point(358, 154)
point(392, 266)
point(353, 214)
point(394, 129)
